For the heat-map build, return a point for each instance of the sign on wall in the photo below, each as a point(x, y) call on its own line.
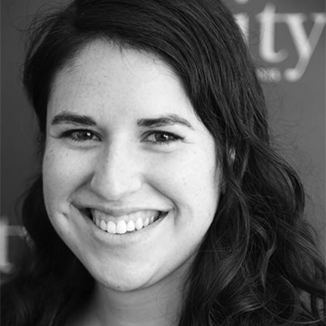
point(284, 36)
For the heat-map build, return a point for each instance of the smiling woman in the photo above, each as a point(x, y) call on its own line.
point(160, 200)
point(122, 141)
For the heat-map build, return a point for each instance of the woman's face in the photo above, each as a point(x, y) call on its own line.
point(131, 182)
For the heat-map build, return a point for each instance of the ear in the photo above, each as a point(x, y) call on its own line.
point(220, 180)
point(230, 158)
point(232, 154)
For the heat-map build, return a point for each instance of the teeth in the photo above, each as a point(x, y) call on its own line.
point(112, 228)
point(103, 225)
point(131, 226)
point(139, 224)
point(122, 227)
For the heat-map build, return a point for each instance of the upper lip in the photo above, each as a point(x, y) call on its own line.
point(117, 212)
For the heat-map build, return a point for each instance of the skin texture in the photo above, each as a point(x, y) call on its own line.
point(118, 165)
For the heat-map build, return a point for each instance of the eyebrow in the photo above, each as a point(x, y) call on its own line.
point(167, 120)
point(76, 119)
point(73, 118)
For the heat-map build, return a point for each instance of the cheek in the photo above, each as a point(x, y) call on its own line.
point(62, 173)
point(55, 172)
point(191, 181)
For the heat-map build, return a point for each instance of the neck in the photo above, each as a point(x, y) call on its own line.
point(143, 308)
point(157, 305)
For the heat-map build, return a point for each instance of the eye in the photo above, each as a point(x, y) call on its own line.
point(80, 135)
point(162, 137)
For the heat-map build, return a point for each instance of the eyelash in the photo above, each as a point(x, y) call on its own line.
point(172, 137)
point(74, 134)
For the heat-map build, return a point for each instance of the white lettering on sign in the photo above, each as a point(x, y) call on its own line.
point(7, 231)
point(4, 244)
point(243, 21)
point(241, 1)
point(305, 43)
point(269, 74)
point(268, 18)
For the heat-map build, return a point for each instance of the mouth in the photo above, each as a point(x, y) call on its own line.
point(125, 224)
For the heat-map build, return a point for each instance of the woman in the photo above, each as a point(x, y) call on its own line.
point(161, 200)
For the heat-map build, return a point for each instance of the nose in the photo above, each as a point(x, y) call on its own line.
point(117, 173)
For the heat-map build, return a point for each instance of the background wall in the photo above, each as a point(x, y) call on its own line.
point(287, 40)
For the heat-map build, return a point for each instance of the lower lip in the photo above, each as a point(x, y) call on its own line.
point(134, 236)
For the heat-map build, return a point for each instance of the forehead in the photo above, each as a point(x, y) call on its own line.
point(114, 61)
point(108, 74)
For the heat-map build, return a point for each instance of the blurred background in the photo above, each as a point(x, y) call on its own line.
point(287, 41)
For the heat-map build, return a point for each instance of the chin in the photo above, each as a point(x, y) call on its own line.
point(125, 282)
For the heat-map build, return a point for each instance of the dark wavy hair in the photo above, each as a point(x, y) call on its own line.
point(258, 263)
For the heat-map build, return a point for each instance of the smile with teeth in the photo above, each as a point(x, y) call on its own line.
point(127, 223)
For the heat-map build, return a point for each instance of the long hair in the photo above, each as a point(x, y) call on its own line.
point(258, 263)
